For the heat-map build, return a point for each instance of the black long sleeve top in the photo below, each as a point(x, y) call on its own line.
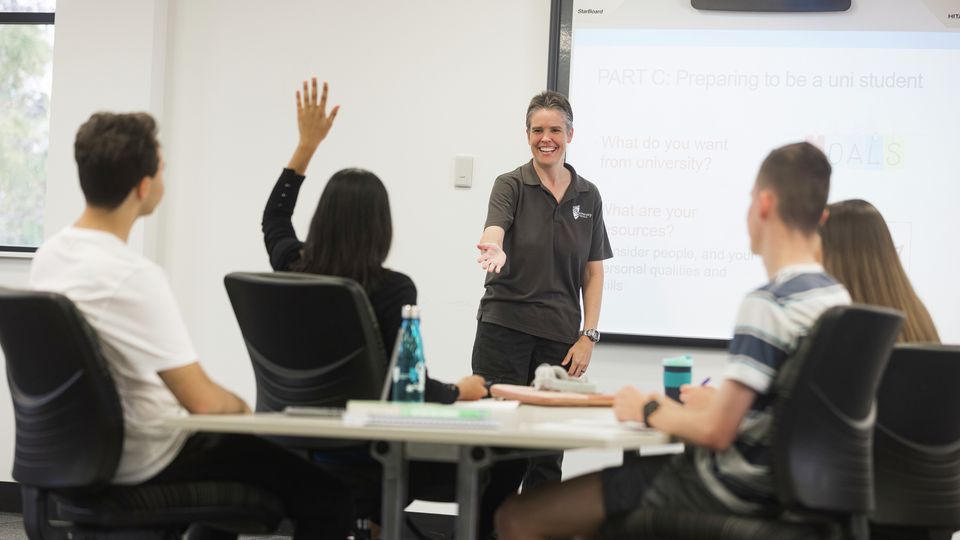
point(393, 292)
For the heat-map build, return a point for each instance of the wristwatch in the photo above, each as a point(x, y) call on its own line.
point(592, 334)
point(649, 408)
point(486, 385)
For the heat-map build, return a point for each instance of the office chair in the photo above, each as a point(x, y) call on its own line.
point(313, 341)
point(822, 440)
point(69, 436)
point(916, 445)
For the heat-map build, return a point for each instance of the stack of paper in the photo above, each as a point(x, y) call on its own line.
point(430, 415)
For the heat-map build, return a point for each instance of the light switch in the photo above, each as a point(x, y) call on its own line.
point(463, 171)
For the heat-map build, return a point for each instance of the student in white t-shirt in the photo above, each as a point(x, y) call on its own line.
point(127, 300)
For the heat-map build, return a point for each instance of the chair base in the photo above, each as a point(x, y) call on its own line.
point(150, 511)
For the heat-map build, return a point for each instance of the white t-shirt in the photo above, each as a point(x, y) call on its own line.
point(127, 300)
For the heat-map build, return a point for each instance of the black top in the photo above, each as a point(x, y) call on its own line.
point(393, 292)
point(548, 245)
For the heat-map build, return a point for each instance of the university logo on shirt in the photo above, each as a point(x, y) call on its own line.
point(577, 214)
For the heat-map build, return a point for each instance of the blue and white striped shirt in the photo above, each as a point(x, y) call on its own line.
point(770, 323)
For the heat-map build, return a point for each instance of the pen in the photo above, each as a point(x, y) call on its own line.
point(705, 381)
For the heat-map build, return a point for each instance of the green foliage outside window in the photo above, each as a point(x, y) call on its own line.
point(26, 53)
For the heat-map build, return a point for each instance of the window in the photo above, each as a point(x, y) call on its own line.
point(26, 76)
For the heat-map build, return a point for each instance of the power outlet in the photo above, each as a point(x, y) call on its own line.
point(463, 171)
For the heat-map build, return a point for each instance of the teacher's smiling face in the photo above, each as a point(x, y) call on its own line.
point(548, 136)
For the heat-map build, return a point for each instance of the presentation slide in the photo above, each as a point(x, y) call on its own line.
point(674, 109)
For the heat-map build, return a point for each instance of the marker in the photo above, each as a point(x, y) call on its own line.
point(705, 381)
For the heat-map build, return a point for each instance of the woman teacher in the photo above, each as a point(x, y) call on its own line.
point(543, 247)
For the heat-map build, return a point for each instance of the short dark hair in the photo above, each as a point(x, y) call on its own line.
point(351, 231)
point(551, 100)
point(800, 176)
point(114, 152)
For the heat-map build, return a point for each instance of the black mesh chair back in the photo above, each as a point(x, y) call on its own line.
point(917, 441)
point(68, 415)
point(826, 409)
point(824, 414)
point(313, 340)
point(69, 438)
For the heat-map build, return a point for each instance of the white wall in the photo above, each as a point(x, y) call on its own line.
point(418, 83)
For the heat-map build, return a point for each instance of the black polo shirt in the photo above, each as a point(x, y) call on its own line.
point(547, 245)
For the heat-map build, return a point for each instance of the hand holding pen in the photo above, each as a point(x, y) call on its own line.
point(697, 396)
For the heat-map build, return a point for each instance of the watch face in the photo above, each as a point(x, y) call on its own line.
point(592, 334)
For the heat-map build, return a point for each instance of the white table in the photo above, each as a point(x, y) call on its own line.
point(527, 430)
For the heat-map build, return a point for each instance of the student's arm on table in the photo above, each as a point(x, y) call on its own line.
point(198, 394)
point(714, 424)
point(472, 388)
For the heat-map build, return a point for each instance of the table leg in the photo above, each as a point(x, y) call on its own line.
point(473, 459)
point(391, 455)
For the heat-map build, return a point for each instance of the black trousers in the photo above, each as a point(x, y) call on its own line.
point(315, 501)
point(504, 355)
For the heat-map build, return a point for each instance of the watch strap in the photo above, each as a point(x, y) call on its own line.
point(591, 333)
point(649, 408)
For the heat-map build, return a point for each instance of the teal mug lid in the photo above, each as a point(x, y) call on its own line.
point(679, 361)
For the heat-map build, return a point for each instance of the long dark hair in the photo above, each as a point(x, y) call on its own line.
point(858, 250)
point(351, 231)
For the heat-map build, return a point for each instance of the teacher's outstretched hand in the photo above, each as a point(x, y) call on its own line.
point(492, 257)
point(313, 123)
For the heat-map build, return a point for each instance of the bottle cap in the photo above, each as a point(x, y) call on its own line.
point(685, 361)
point(410, 312)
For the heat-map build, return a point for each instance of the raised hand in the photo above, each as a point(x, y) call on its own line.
point(492, 257)
point(313, 122)
point(312, 118)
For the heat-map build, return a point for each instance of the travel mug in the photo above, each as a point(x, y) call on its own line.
point(677, 371)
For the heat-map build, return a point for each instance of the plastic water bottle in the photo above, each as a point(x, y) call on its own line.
point(409, 374)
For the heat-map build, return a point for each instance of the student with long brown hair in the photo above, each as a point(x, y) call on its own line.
point(858, 251)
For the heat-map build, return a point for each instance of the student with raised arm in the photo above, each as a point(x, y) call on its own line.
point(126, 298)
point(727, 470)
point(543, 247)
point(349, 236)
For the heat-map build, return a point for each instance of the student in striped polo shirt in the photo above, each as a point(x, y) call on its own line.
point(728, 469)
